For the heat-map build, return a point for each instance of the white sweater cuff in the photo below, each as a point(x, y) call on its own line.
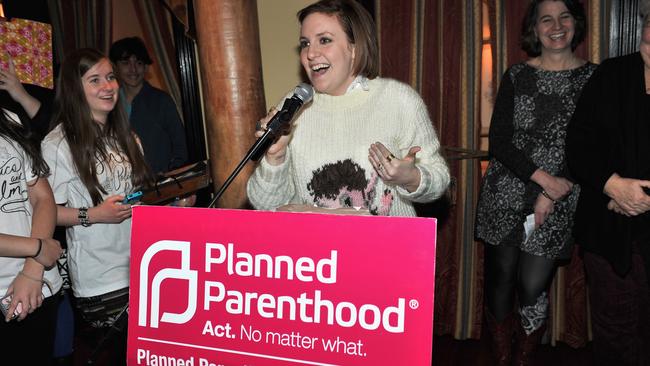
point(425, 181)
point(273, 174)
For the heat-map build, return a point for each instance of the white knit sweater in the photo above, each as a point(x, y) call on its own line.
point(327, 159)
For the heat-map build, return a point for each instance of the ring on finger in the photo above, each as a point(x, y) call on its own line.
point(381, 167)
point(390, 157)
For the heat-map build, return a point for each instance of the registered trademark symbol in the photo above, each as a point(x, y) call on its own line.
point(414, 304)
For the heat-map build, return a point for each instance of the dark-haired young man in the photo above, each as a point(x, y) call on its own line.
point(152, 112)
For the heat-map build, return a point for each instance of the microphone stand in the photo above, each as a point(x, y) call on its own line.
point(269, 133)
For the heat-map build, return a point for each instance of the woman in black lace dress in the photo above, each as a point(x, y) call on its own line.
point(526, 178)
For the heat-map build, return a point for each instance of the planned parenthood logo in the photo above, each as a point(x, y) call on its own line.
point(153, 297)
point(206, 290)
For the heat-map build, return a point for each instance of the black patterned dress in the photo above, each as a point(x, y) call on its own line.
point(528, 132)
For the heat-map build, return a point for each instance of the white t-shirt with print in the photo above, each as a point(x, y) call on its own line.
point(98, 255)
point(16, 211)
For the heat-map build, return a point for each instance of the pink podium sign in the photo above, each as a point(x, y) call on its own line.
point(214, 287)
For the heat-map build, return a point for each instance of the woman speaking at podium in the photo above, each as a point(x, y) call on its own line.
point(365, 143)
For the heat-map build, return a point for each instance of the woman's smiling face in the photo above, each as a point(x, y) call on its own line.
point(101, 89)
point(555, 26)
point(326, 54)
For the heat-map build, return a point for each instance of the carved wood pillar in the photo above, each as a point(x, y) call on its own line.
point(233, 90)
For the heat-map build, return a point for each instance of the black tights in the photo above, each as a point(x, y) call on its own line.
point(507, 269)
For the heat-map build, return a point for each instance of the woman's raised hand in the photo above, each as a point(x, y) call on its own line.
point(400, 172)
point(9, 81)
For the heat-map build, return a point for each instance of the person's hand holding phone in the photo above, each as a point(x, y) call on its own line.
point(111, 211)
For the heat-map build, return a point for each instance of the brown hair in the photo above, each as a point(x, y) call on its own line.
point(530, 41)
point(87, 139)
point(127, 47)
point(22, 133)
point(359, 28)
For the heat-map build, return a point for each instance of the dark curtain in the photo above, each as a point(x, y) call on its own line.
point(434, 45)
point(80, 23)
point(625, 27)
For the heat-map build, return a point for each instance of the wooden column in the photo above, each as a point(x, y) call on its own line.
point(233, 90)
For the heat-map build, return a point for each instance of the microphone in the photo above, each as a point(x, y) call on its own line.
point(302, 94)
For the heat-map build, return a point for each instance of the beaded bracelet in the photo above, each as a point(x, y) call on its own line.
point(83, 217)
